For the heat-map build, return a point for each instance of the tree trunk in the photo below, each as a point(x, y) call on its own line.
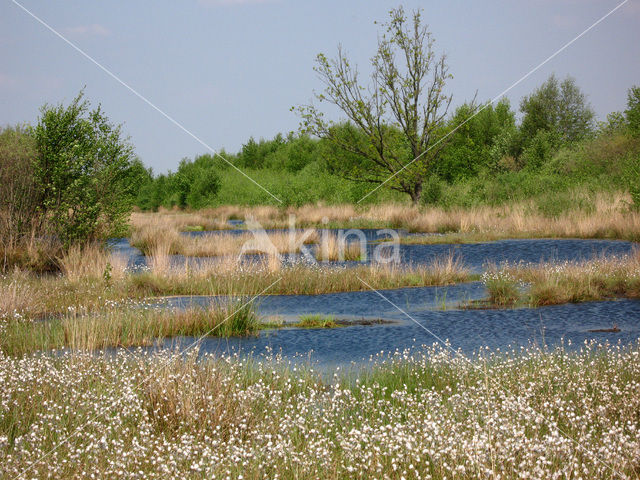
point(416, 193)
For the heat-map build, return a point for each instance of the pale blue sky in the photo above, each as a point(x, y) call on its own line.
point(230, 69)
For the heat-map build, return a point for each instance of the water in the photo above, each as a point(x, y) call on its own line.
point(475, 256)
point(430, 314)
point(418, 319)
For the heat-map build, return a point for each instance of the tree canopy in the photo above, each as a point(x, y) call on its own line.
point(394, 122)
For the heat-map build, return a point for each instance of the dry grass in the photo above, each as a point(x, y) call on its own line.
point(610, 217)
point(333, 247)
point(90, 262)
point(156, 237)
point(45, 295)
point(16, 297)
point(568, 282)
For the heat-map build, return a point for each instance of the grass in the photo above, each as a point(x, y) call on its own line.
point(316, 321)
point(125, 328)
point(35, 296)
point(559, 283)
point(171, 242)
point(502, 287)
point(526, 413)
point(608, 216)
point(333, 247)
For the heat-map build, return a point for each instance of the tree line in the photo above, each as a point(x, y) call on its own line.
point(397, 130)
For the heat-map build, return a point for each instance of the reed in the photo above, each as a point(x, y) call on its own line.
point(89, 262)
point(333, 247)
point(608, 217)
point(127, 328)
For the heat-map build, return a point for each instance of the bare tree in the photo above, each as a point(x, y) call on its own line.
point(395, 122)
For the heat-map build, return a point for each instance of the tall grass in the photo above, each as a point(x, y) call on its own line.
point(90, 262)
point(607, 216)
point(333, 247)
point(155, 237)
point(567, 282)
point(126, 328)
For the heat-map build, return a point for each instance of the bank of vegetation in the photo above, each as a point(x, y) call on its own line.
point(427, 413)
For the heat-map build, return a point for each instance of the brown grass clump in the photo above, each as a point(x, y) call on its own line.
point(16, 297)
point(90, 261)
point(573, 282)
point(333, 247)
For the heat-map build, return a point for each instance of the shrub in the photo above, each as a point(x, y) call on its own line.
point(83, 172)
point(19, 196)
point(633, 180)
point(632, 113)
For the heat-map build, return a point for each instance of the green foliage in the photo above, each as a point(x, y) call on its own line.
point(472, 145)
point(540, 149)
point(616, 123)
point(432, 191)
point(632, 177)
point(194, 185)
point(560, 108)
point(85, 172)
point(19, 195)
point(394, 123)
point(632, 113)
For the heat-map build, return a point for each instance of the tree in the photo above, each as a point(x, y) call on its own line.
point(85, 172)
point(473, 138)
point(394, 123)
point(558, 108)
point(632, 113)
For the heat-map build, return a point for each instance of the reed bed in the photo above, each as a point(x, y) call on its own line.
point(525, 413)
point(38, 296)
point(568, 282)
point(333, 247)
point(130, 327)
point(90, 262)
point(608, 217)
point(168, 240)
point(299, 279)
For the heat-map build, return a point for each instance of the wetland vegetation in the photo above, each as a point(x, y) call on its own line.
point(80, 399)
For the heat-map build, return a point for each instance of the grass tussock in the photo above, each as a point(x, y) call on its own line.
point(316, 321)
point(569, 282)
point(90, 262)
point(417, 414)
point(16, 297)
point(334, 247)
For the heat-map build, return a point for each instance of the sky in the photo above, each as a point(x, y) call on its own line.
point(226, 70)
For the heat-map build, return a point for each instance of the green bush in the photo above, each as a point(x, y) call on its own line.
point(431, 191)
point(84, 171)
point(19, 195)
point(632, 113)
point(632, 177)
